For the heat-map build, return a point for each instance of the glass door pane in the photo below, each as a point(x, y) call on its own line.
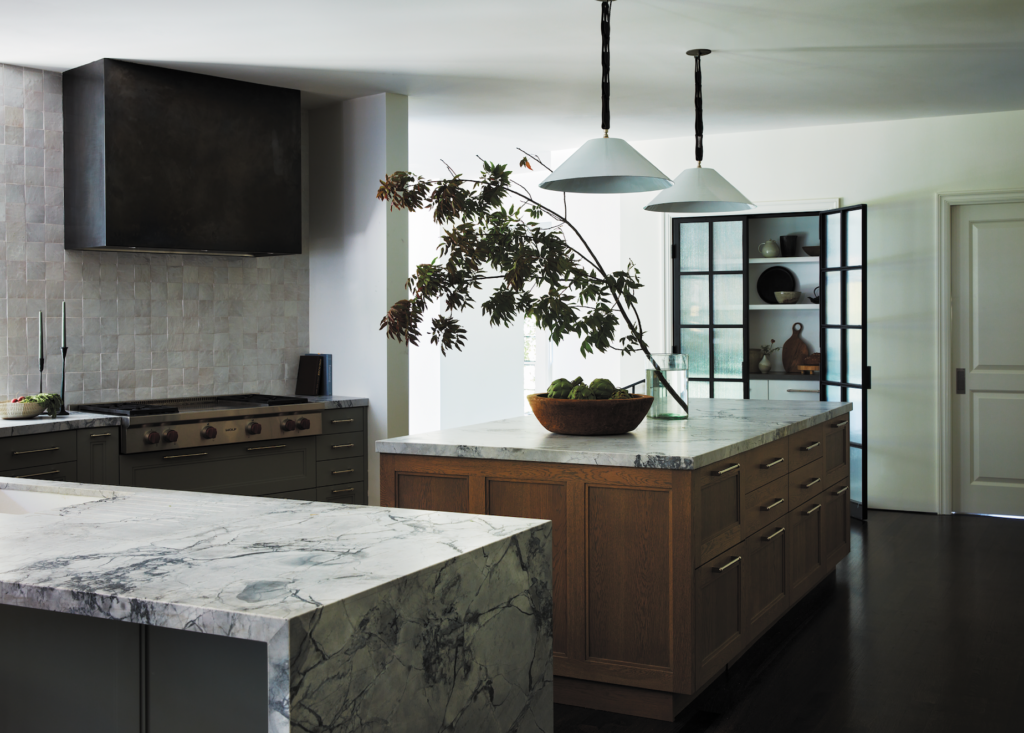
point(845, 373)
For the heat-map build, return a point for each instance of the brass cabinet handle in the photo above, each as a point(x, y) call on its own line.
point(776, 462)
point(841, 424)
point(347, 445)
point(812, 446)
point(335, 422)
point(40, 450)
point(342, 491)
point(187, 455)
point(267, 447)
point(725, 470)
point(772, 505)
point(100, 435)
point(347, 470)
point(813, 509)
point(728, 564)
point(841, 491)
point(774, 534)
point(811, 483)
point(44, 473)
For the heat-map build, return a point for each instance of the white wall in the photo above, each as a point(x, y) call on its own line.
point(896, 168)
point(358, 254)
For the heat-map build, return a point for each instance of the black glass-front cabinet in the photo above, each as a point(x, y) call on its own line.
point(719, 319)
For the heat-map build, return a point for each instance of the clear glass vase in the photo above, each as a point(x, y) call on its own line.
point(674, 367)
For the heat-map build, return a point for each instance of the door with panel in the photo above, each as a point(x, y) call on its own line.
point(845, 374)
point(988, 356)
point(709, 313)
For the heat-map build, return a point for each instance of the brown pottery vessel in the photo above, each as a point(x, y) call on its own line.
point(590, 417)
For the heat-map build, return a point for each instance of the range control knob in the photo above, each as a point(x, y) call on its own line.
point(287, 425)
point(171, 436)
point(302, 423)
point(254, 428)
point(152, 437)
point(208, 432)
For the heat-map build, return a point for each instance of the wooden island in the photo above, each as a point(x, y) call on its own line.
point(675, 547)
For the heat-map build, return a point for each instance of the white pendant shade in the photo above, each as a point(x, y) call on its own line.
point(700, 191)
point(606, 165)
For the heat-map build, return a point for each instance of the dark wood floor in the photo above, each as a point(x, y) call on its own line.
point(921, 629)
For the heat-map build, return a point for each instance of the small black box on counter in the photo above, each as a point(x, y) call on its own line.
point(315, 375)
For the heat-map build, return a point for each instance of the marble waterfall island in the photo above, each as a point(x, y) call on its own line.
point(132, 609)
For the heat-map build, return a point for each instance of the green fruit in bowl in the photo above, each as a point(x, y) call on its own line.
point(578, 380)
point(620, 394)
point(603, 389)
point(581, 392)
point(560, 389)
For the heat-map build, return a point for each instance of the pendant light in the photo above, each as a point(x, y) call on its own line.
point(699, 190)
point(606, 164)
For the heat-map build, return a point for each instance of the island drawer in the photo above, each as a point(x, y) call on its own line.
point(765, 464)
point(38, 450)
point(806, 446)
point(768, 504)
point(717, 507)
point(354, 493)
point(837, 449)
point(339, 470)
point(67, 471)
point(807, 482)
point(346, 420)
point(335, 446)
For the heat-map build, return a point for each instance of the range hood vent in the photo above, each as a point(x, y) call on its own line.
point(159, 160)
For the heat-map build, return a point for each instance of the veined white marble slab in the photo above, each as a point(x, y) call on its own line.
point(369, 584)
point(715, 430)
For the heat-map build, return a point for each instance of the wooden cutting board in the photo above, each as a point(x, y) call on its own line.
point(795, 350)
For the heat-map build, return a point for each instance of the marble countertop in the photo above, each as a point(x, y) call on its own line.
point(77, 420)
point(715, 430)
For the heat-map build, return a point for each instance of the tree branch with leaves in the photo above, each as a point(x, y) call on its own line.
point(493, 234)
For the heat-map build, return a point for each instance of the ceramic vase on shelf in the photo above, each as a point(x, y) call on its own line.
point(765, 365)
point(769, 249)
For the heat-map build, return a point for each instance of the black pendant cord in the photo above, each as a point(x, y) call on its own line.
point(606, 33)
point(698, 101)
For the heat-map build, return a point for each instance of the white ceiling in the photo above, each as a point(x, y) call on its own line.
point(530, 69)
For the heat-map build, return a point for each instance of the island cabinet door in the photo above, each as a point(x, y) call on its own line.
point(765, 577)
point(718, 492)
point(719, 623)
point(835, 530)
point(837, 449)
point(804, 526)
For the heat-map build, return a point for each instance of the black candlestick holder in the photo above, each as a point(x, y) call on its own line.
point(42, 361)
point(63, 380)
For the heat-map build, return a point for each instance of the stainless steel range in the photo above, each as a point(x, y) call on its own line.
point(197, 422)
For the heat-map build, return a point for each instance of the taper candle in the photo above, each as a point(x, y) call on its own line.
point(40, 334)
point(64, 323)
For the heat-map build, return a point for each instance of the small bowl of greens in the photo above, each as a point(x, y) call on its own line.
point(23, 408)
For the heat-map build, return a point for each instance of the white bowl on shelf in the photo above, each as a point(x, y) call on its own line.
point(20, 410)
point(786, 297)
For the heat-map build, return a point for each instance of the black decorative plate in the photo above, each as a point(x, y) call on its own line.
point(772, 279)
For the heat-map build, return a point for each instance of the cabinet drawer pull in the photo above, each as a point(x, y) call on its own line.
point(813, 509)
point(842, 424)
point(347, 445)
point(728, 564)
point(100, 435)
point(776, 462)
point(31, 475)
point(773, 505)
point(347, 470)
point(187, 455)
point(267, 447)
point(336, 422)
point(39, 450)
point(809, 391)
point(841, 491)
point(812, 446)
point(774, 534)
point(725, 470)
point(811, 483)
point(343, 491)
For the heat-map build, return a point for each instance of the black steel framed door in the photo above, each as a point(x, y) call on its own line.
point(845, 374)
point(709, 304)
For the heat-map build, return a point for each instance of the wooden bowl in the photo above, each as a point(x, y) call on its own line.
point(20, 410)
point(590, 417)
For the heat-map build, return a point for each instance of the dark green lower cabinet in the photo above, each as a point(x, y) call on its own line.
point(67, 471)
point(344, 494)
point(98, 456)
point(301, 495)
point(60, 672)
